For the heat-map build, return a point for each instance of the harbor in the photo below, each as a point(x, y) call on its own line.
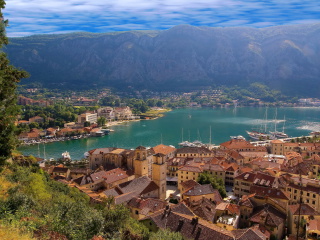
point(167, 130)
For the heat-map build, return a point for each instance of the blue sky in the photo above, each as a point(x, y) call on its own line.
point(28, 17)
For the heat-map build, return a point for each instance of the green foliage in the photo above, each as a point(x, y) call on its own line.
point(46, 205)
point(217, 183)
point(165, 235)
point(174, 201)
point(9, 77)
point(102, 121)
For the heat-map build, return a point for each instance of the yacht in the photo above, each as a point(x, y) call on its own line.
point(66, 156)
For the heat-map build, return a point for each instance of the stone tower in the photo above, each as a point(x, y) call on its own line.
point(140, 162)
point(159, 176)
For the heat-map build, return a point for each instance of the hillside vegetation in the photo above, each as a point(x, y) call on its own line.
point(32, 206)
point(285, 58)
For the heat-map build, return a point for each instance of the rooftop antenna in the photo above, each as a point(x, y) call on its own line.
point(210, 136)
point(161, 138)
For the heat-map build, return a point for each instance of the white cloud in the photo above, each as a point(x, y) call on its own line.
point(30, 16)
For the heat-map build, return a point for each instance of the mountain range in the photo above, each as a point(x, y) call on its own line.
point(184, 57)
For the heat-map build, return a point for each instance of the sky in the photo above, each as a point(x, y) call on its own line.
point(28, 17)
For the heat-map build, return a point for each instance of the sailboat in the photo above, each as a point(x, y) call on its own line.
point(184, 143)
point(259, 135)
point(278, 134)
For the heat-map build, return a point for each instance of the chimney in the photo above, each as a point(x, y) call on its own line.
point(194, 221)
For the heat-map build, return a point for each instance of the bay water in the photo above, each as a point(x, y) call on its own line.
point(188, 125)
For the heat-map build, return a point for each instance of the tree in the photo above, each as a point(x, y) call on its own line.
point(102, 121)
point(86, 124)
point(164, 234)
point(207, 178)
point(9, 77)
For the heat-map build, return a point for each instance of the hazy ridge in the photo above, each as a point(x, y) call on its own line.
point(183, 57)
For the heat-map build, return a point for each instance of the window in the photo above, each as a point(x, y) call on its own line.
point(137, 212)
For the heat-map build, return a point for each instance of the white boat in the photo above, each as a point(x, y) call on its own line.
point(239, 137)
point(261, 135)
point(66, 155)
point(186, 144)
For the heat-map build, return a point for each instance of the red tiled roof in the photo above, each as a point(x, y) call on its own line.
point(268, 192)
point(269, 215)
point(147, 205)
point(163, 149)
point(199, 190)
point(237, 144)
point(189, 226)
point(189, 184)
point(305, 209)
point(190, 169)
point(314, 225)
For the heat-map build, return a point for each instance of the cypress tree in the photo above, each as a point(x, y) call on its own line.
point(9, 78)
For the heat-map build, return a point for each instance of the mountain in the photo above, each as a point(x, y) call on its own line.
point(183, 57)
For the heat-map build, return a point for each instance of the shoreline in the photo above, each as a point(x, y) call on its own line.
point(83, 136)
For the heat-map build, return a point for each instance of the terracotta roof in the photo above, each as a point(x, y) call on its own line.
point(147, 205)
point(232, 208)
point(188, 184)
point(101, 150)
point(305, 209)
point(60, 169)
point(190, 169)
point(199, 190)
point(237, 144)
point(117, 151)
point(213, 167)
point(123, 198)
point(79, 170)
point(246, 169)
point(249, 233)
point(199, 150)
point(203, 208)
point(269, 215)
point(268, 192)
point(189, 226)
point(110, 176)
point(163, 149)
point(314, 225)
point(181, 208)
point(257, 178)
point(247, 201)
point(134, 188)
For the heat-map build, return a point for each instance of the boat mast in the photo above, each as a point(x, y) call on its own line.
point(265, 126)
point(275, 121)
point(210, 136)
point(44, 151)
point(181, 134)
point(284, 122)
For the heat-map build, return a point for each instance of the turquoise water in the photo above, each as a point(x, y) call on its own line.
point(195, 125)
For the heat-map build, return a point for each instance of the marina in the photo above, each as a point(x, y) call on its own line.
point(224, 122)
